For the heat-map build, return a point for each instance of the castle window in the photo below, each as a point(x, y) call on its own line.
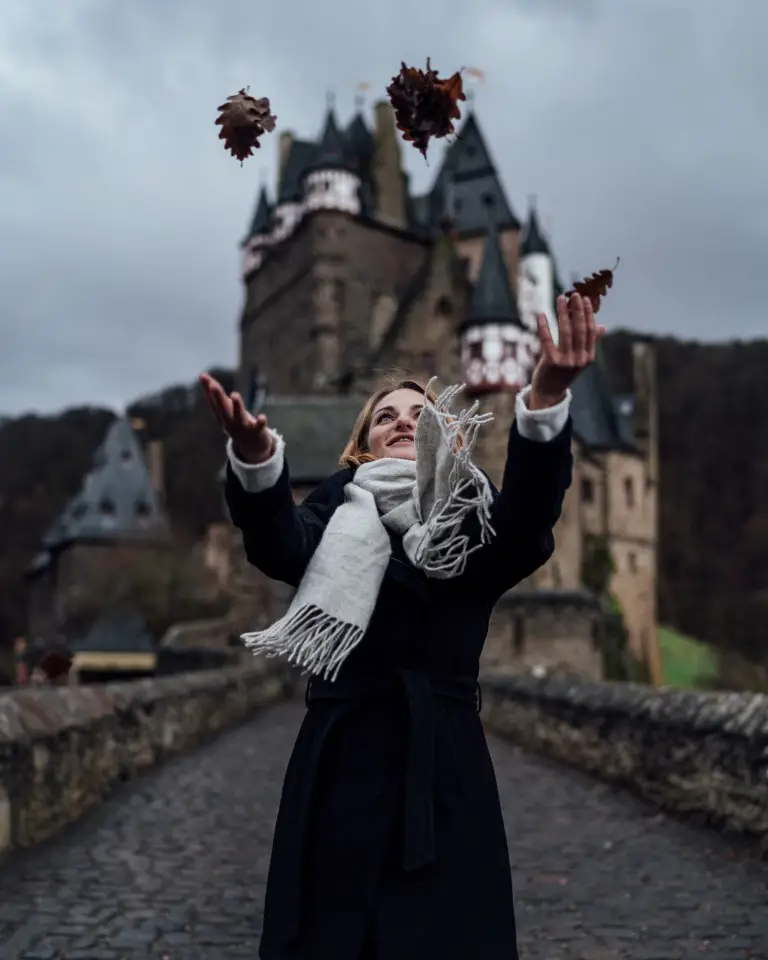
point(443, 307)
point(587, 490)
point(629, 492)
point(488, 200)
point(632, 562)
point(142, 512)
point(518, 637)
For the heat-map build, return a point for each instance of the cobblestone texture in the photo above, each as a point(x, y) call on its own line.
point(174, 865)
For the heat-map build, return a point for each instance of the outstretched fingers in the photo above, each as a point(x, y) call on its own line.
point(548, 348)
point(590, 331)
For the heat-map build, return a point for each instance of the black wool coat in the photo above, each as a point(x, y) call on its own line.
point(389, 841)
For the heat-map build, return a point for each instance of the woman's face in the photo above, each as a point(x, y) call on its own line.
point(393, 425)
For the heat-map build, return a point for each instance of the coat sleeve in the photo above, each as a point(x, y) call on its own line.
point(279, 536)
point(537, 474)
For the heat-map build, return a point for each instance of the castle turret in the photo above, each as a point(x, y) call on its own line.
point(330, 182)
point(536, 281)
point(497, 351)
point(258, 239)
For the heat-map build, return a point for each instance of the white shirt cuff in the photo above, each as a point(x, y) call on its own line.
point(257, 477)
point(541, 425)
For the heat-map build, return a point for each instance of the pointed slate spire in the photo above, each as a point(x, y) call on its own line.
point(492, 297)
point(330, 153)
point(117, 500)
point(260, 222)
point(534, 240)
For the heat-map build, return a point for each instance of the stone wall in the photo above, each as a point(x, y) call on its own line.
point(550, 629)
point(693, 753)
point(63, 750)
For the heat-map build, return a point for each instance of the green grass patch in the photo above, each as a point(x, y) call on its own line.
point(686, 662)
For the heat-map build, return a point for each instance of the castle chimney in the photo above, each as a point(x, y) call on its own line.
point(156, 467)
point(388, 176)
point(284, 148)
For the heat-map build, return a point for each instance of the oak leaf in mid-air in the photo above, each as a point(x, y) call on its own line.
point(595, 286)
point(243, 119)
point(425, 106)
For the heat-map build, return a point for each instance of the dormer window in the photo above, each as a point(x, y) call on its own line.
point(143, 513)
point(107, 512)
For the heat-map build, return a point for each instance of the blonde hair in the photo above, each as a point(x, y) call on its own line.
point(356, 451)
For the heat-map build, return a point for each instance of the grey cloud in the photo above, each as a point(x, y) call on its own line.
point(640, 126)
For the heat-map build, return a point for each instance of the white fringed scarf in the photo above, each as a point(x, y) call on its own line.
point(425, 501)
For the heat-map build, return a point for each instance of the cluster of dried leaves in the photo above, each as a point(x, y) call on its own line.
point(243, 120)
point(425, 106)
point(595, 286)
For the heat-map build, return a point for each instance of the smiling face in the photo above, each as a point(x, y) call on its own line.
point(393, 424)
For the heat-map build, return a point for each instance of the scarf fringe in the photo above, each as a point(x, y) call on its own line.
point(443, 550)
point(310, 638)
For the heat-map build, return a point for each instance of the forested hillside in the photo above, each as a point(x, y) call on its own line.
point(714, 483)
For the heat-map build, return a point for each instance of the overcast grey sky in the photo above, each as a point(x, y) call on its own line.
point(641, 126)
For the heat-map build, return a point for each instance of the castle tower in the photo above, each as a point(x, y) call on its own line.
point(497, 351)
point(536, 282)
point(329, 182)
point(258, 239)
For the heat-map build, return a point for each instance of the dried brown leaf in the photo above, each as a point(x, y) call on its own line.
point(595, 286)
point(243, 120)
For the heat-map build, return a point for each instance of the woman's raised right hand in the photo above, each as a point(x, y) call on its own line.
point(251, 437)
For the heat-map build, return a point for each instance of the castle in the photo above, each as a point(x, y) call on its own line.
point(348, 274)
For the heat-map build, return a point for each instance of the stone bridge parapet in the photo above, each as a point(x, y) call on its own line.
point(63, 749)
point(694, 753)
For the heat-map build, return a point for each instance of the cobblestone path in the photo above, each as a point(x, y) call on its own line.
point(174, 865)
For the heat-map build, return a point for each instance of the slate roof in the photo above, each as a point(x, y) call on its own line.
point(300, 157)
point(469, 174)
point(116, 632)
point(492, 298)
point(596, 422)
point(116, 501)
point(315, 430)
point(332, 151)
point(261, 216)
point(533, 240)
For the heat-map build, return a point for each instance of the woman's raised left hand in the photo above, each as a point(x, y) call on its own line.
point(560, 364)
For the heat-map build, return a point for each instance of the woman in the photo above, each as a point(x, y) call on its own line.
point(389, 841)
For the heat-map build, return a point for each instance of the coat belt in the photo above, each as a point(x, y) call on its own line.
point(420, 690)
